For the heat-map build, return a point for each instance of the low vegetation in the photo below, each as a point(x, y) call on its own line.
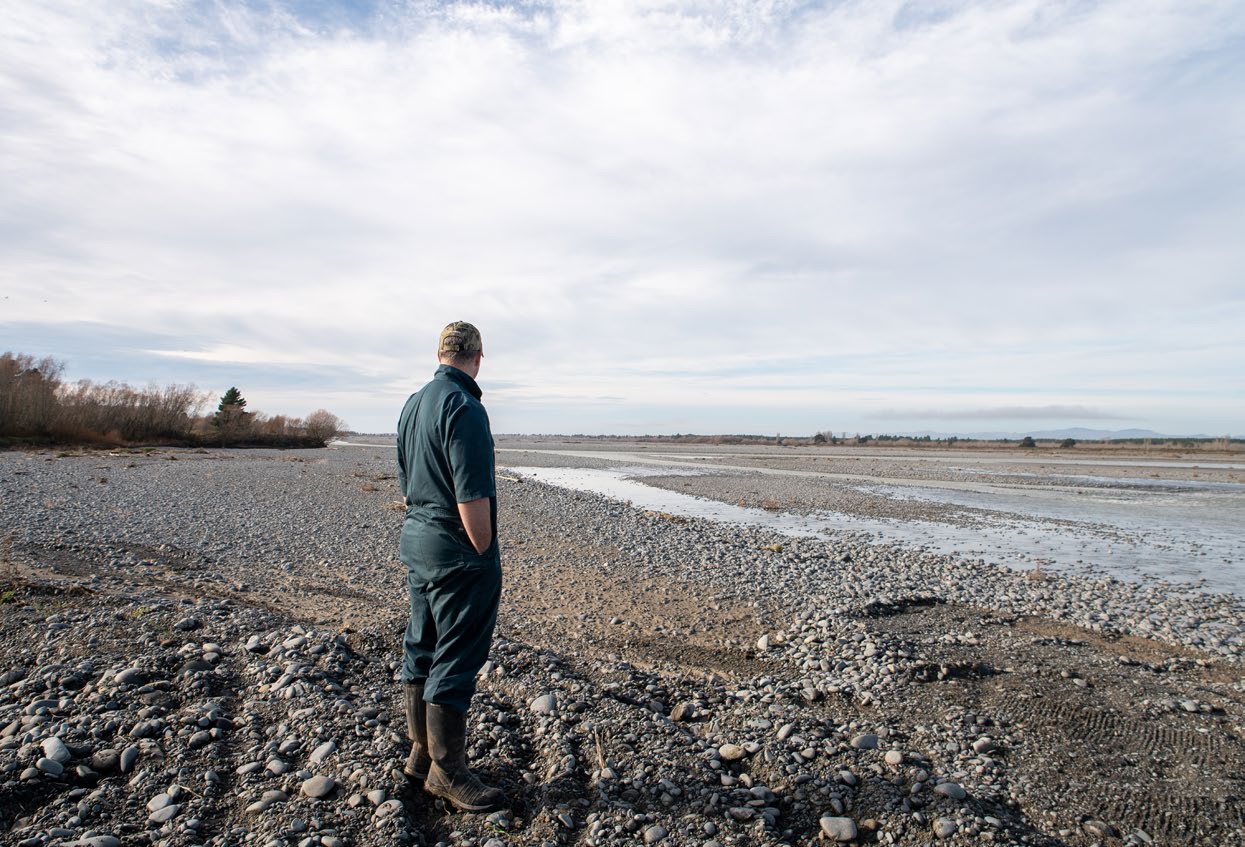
point(37, 406)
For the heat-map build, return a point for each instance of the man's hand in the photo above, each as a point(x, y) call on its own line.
point(478, 522)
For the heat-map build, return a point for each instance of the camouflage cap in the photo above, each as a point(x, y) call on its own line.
point(458, 338)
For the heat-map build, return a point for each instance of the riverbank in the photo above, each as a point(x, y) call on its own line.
point(232, 618)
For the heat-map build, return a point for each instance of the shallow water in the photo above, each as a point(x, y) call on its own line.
point(1193, 535)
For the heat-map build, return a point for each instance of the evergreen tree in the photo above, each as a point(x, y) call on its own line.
point(231, 413)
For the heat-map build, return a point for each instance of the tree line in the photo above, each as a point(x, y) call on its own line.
point(37, 405)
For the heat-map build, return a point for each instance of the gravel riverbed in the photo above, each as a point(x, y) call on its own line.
point(200, 647)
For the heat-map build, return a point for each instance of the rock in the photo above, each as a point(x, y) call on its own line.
point(164, 814)
point(128, 757)
point(321, 753)
point(158, 802)
point(951, 789)
point(655, 834)
point(741, 813)
point(730, 752)
point(682, 712)
point(319, 786)
point(131, 676)
point(377, 796)
point(187, 624)
point(944, 827)
point(94, 841)
point(894, 757)
point(838, 829)
point(51, 767)
point(867, 741)
point(387, 808)
point(985, 744)
point(545, 704)
point(255, 644)
point(105, 761)
point(763, 643)
point(199, 739)
point(55, 749)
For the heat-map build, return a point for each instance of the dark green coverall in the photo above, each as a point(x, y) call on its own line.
point(445, 457)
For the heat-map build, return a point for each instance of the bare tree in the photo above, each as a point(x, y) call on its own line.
point(322, 425)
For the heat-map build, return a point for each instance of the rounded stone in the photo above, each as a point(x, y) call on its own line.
point(319, 786)
point(944, 827)
point(867, 741)
point(953, 790)
point(55, 749)
point(655, 835)
point(838, 829)
point(545, 704)
point(105, 760)
point(51, 767)
point(164, 814)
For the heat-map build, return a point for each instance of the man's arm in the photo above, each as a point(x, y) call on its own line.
point(478, 522)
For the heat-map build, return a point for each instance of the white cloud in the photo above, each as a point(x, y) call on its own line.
point(960, 197)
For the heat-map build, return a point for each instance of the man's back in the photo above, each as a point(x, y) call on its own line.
point(445, 446)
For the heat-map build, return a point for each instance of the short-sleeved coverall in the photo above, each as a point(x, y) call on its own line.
point(445, 457)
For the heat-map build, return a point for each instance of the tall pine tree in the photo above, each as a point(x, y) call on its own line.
point(231, 413)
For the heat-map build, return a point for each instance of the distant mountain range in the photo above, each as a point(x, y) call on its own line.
point(1077, 432)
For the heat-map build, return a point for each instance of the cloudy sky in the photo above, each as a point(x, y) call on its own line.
point(761, 216)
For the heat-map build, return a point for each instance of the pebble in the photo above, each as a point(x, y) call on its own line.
point(159, 802)
point(322, 752)
point(894, 757)
point(944, 827)
point(655, 834)
point(131, 676)
point(730, 752)
point(319, 786)
point(985, 744)
point(867, 741)
point(545, 704)
point(127, 759)
point(951, 789)
point(54, 748)
point(51, 767)
point(164, 814)
point(838, 828)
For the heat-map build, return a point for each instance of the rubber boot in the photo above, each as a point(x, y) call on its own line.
point(418, 760)
point(449, 777)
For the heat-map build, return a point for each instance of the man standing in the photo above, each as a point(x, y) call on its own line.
point(453, 566)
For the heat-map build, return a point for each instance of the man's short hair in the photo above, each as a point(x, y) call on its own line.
point(459, 341)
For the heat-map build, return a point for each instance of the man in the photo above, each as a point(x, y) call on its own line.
point(453, 566)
